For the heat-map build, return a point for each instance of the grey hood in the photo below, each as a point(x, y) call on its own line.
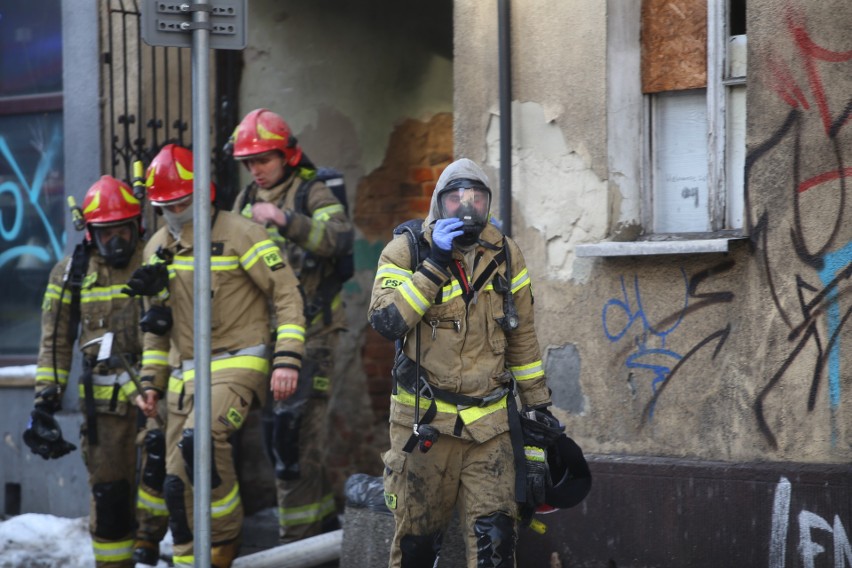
point(462, 168)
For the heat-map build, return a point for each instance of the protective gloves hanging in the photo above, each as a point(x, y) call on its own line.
point(43, 435)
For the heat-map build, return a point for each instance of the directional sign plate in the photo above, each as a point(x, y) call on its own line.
point(168, 23)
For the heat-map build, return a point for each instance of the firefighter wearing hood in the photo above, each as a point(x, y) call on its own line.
point(462, 315)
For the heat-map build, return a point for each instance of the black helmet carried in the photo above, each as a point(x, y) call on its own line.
point(569, 472)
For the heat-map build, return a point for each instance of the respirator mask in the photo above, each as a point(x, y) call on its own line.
point(470, 201)
point(116, 243)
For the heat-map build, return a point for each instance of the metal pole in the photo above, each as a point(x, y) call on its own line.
point(505, 65)
point(201, 314)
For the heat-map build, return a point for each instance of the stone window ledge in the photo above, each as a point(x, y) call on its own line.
point(657, 246)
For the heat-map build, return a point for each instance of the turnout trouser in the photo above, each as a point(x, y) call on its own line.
point(423, 489)
point(236, 383)
point(111, 464)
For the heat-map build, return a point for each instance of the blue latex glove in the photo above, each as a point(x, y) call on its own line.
point(443, 233)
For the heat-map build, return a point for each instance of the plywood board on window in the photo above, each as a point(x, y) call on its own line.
point(674, 45)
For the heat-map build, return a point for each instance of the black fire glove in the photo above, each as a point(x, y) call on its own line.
point(44, 437)
point(147, 280)
point(538, 475)
point(157, 320)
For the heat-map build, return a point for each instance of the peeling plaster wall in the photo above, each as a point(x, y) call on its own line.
point(735, 357)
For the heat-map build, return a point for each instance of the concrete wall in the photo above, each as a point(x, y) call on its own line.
point(768, 313)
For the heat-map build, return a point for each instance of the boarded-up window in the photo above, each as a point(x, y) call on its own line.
point(674, 45)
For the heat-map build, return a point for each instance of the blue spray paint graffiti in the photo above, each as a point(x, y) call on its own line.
point(645, 354)
point(23, 191)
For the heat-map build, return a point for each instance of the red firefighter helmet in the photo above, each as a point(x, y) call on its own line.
point(264, 131)
point(112, 214)
point(169, 177)
point(110, 202)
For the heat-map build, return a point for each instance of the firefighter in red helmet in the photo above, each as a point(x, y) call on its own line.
point(84, 298)
point(298, 205)
point(248, 274)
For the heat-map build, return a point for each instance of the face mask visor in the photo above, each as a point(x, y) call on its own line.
point(116, 242)
point(469, 201)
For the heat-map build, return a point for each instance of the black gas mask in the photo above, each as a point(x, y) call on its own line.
point(470, 201)
point(112, 244)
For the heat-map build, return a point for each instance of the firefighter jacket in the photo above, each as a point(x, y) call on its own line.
point(309, 241)
point(463, 349)
point(247, 272)
point(103, 308)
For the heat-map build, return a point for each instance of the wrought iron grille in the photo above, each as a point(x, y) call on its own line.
point(147, 95)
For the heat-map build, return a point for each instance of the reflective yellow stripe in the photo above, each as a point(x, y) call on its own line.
point(306, 514)
point(217, 263)
point(176, 382)
point(414, 298)
point(533, 453)
point(54, 292)
point(104, 393)
point(187, 561)
point(256, 252)
point(154, 357)
point(249, 362)
point(451, 290)
point(325, 213)
point(468, 415)
point(102, 294)
point(533, 370)
point(151, 503)
point(226, 504)
point(113, 551)
point(521, 280)
point(290, 331)
point(47, 374)
point(394, 271)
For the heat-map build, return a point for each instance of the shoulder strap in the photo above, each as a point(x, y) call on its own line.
point(300, 201)
point(76, 274)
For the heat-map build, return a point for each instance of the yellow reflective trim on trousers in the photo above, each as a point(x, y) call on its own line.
point(248, 362)
point(306, 514)
point(532, 370)
point(227, 504)
point(155, 505)
point(290, 331)
point(154, 357)
point(414, 298)
point(256, 252)
point(336, 303)
point(533, 453)
point(113, 551)
point(47, 374)
point(468, 415)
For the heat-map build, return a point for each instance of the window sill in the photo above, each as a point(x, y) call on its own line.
point(671, 245)
point(22, 376)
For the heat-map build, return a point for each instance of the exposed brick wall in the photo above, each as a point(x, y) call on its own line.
point(400, 189)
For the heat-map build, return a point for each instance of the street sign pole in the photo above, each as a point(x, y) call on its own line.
point(216, 24)
point(201, 287)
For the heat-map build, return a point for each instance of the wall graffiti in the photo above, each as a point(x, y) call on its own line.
point(826, 257)
point(26, 195)
point(653, 355)
point(810, 525)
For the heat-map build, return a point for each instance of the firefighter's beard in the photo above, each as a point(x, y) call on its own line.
point(176, 221)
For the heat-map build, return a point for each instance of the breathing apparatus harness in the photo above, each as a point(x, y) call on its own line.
point(423, 434)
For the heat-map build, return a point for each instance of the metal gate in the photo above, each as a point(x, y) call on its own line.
point(147, 95)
